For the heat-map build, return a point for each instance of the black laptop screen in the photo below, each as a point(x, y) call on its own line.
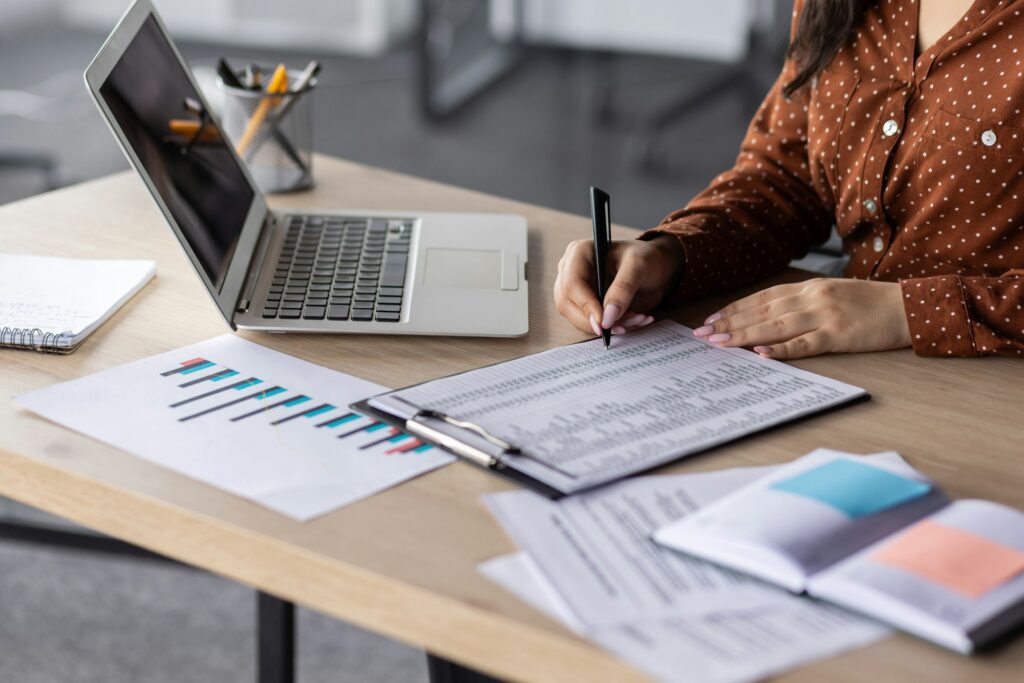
point(179, 147)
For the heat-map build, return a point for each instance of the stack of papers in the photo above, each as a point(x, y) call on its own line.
point(879, 538)
point(589, 561)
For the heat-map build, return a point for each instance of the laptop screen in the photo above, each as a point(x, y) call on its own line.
point(179, 147)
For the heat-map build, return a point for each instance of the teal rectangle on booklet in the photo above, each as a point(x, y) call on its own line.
point(853, 488)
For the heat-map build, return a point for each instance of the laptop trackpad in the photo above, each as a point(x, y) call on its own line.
point(463, 268)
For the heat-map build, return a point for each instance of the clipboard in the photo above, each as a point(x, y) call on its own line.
point(535, 466)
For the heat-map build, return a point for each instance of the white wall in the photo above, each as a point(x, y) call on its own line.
point(17, 14)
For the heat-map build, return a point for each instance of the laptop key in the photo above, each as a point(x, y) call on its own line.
point(289, 314)
point(269, 312)
point(396, 300)
point(337, 312)
point(314, 312)
point(388, 308)
point(387, 317)
point(391, 291)
point(394, 270)
point(367, 305)
point(363, 314)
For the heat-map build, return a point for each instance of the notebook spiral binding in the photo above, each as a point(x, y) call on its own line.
point(32, 339)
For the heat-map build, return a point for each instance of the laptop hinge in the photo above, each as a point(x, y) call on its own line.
point(256, 265)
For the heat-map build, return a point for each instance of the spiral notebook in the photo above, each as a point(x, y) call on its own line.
point(52, 304)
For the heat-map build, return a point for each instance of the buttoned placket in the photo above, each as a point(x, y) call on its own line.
point(903, 89)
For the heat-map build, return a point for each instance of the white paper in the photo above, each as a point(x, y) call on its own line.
point(65, 296)
point(712, 631)
point(519, 574)
point(745, 644)
point(586, 415)
point(735, 643)
point(596, 549)
point(302, 467)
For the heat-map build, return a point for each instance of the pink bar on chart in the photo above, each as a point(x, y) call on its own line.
point(415, 443)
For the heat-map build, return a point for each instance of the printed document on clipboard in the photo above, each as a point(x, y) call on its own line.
point(580, 416)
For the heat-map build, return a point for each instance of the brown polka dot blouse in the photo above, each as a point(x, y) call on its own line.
point(917, 160)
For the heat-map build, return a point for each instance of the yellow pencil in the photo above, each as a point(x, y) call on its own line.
point(278, 84)
point(190, 129)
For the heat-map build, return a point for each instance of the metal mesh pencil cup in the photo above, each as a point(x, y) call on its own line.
point(272, 133)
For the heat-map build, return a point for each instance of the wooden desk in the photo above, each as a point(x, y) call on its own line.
point(403, 563)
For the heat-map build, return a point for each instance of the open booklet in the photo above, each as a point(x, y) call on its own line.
point(580, 416)
point(876, 537)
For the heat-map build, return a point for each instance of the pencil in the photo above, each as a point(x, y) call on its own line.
point(278, 84)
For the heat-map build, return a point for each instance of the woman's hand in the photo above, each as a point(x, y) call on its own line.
point(642, 272)
point(813, 317)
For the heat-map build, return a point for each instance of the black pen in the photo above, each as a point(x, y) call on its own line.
point(227, 74)
point(600, 213)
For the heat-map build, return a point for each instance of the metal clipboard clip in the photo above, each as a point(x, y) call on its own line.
point(415, 425)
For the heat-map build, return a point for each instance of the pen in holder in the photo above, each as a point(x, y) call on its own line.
point(272, 131)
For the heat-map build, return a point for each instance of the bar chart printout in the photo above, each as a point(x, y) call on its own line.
point(246, 419)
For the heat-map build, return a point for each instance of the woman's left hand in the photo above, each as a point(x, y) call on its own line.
point(830, 315)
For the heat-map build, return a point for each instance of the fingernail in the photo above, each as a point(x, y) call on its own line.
point(618, 329)
point(634, 319)
point(611, 315)
point(594, 326)
point(720, 337)
point(704, 331)
point(762, 349)
point(714, 317)
point(646, 321)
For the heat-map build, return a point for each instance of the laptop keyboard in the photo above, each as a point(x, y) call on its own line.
point(340, 268)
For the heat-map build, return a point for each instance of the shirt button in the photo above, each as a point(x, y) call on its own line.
point(988, 138)
point(890, 128)
point(878, 244)
point(871, 205)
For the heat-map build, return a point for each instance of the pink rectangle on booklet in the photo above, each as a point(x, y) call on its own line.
point(953, 558)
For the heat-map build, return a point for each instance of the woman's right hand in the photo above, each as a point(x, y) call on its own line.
point(642, 271)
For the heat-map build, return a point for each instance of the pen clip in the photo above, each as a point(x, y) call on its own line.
point(506, 447)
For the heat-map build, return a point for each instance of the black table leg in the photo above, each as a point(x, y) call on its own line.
point(275, 619)
point(444, 671)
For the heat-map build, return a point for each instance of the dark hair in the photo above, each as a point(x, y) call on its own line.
point(823, 28)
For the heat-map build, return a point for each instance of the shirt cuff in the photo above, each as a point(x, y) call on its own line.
point(699, 253)
point(937, 316)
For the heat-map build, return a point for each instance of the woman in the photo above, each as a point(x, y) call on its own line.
point(902, 123)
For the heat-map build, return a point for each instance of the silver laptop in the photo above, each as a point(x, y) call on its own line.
point(391, 272)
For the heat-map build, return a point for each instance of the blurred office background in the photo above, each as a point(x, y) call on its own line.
point(530, 99)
